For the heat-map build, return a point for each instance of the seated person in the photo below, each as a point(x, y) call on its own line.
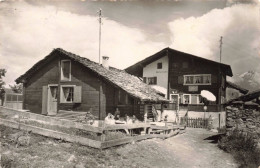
point(128, 120)
point(117, 114)
point(109, 119)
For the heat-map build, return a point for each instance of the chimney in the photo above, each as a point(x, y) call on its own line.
point(105, 62)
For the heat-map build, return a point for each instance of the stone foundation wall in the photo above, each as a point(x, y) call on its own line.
point(246, 120)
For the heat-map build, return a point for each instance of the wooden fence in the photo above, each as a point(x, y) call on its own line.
point(194, 122)
point(13, 100)
point(62, 129)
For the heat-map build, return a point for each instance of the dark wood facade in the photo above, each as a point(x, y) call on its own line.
point(183, 64)
point(195, 66)
point(97, 93)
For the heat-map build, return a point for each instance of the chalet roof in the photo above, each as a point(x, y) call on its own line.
point(247, 97)
point(237, 87)
point(119, 78)
point(136, 68)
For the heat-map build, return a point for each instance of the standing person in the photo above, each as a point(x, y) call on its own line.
point(117, 114)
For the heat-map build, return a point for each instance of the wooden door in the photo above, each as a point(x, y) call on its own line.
point(52, 100)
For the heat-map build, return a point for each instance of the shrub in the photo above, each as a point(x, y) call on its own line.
point(243, 147)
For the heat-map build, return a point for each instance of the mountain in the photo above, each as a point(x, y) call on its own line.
point(249, 80)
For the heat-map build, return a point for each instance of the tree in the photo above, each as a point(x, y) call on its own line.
point(2, 83)
point(17, 88)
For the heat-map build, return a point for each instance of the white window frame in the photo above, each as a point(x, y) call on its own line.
point(51, 85)
point(195, 75)
point(61, 74)
point(62, 98)
point(175, 95)
point(147, 80)
point(189, 98)
point(198, 99)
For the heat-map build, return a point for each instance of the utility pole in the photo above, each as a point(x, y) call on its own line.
point(100, 23)
point(99, 52)
point(220, 48)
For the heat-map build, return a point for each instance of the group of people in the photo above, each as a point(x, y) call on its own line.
point(116, 119)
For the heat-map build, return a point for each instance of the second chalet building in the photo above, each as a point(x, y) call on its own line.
point(184, 76)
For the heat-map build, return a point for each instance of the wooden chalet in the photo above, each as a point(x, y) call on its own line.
point(65, 81)
point(184, 76)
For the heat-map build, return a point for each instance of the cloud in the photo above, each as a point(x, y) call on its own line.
point(239, 26)
point(28, 33)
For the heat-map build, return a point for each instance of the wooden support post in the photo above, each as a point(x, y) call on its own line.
point(219, 120)
point(103, 135)
point(145, 113)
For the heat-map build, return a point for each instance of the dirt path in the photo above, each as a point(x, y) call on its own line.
point(197, 148)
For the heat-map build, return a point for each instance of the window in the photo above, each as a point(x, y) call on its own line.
point(70, 94)
point(207, 79)
point(151, 80)
point(175, 65)
point(192, 99)
point(66, 70)
point(185, 65)
point(159, 65)
point(188, 79)
point(186, 99)
point(200, 79)
point(174, 98)
point(200, 99)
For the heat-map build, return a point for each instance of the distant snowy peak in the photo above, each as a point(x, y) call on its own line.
point(249, 75)
point(249, 80)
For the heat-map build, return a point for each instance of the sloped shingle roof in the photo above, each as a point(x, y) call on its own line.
point(137, 67)
point(129, 83)
point(239, 88)
point(247, 97)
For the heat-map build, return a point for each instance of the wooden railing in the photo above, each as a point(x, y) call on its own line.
point(98, 135)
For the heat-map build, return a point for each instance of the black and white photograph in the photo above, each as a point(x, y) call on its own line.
point(130, 83)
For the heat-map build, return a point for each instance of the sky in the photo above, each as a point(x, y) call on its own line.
point(131, 31)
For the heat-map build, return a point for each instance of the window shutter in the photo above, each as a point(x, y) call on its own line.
point(180, 80)
point(77, 94)
point(214, 79)
point(155, 80)
point(44, 99)
point(62, 99)
point(144, 79)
